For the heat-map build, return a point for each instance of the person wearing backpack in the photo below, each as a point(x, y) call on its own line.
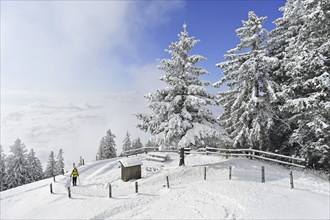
point(74, 175)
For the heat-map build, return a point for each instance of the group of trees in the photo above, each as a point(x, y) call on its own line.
point(131, 145)
point(20, 167)
point(55, 167)
point(276, 93)
point(107, 148)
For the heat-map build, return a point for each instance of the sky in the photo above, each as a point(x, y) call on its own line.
point(71, 70)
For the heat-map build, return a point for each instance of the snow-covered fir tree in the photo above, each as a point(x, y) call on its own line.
point(51, 168)
point(281, 45)
point(137, 144)
point(34, 166)
point(80, 161)
point(107, 147)
point(151, 144)
point(180, 116)
point(3, 174)
point(248, 115)
point(306, 93)
point(127, 144)
point(17, 169)
point(60, 162)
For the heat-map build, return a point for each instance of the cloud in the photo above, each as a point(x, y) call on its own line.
point(76, 122)
point(71, 70)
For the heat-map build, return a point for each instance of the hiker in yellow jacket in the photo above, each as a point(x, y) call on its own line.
point(74, 175)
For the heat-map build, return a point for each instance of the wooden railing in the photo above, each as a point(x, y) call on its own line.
point(247, 152)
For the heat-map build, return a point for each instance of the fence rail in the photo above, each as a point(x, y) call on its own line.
point(247, 152)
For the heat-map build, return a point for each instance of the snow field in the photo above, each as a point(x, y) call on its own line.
point(189, 195)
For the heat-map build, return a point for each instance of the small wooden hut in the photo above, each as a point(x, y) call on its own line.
point(130, 168)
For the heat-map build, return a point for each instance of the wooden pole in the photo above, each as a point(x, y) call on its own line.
point(291, 179)
point(136, 187)
point(262, 174)
point(168, 183)
point(51, 188)
point(181, 157)
point(83, 162)
point(69, 192)
point(230, 172)
point(204, 173)
point(110, 193)
point(54, 178)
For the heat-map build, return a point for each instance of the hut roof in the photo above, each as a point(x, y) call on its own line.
point(130, 162)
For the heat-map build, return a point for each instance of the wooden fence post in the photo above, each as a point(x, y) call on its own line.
point(181, 157)
point(69, 192)
point(83, 162)
point(136, 187)
point(110, 193)
point(262, 174)
point(204, 173)
point(230, 172)
point(291, 179)
point(167, 181)
point(54, 178)
point(51, 188)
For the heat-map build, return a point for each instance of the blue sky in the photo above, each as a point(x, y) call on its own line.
point(70, 70)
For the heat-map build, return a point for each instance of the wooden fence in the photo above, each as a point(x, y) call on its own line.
point(247, 152)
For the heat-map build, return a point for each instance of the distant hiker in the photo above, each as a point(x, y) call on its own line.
point(74, 175)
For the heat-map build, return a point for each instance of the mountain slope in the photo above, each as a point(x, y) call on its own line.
point(189, 196)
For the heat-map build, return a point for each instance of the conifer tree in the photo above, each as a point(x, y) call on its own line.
point(80, 161)
point(180, 117)
point(307, 97)
point(281, 45)
point(3, 174)
point(151, 144)
point(34, 166)
point(60, 163)
point(107, 147)
point(137, 144)
point(127, 144)
point(17, 169)
point(51, 168)
point(248, 115)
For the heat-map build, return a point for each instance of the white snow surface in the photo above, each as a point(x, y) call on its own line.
point(189, 195)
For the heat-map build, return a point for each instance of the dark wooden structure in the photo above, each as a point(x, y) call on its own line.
point(130, 168)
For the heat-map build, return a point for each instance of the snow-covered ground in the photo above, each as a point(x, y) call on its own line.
point(189, 195)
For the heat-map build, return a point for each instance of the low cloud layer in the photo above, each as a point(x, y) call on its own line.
point(72, 70)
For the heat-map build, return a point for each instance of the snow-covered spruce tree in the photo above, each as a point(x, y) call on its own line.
point(180, 117)
point(51, 168)
point(3, 174)
point(80, 161)
point(281, 45)
point(248, 116)
point(60, 163)
point(307, 97)
point(17, 169)
point(107, 147)
point(151, 144)
point(137, 144)
point(34, 166)
point(127, 144)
